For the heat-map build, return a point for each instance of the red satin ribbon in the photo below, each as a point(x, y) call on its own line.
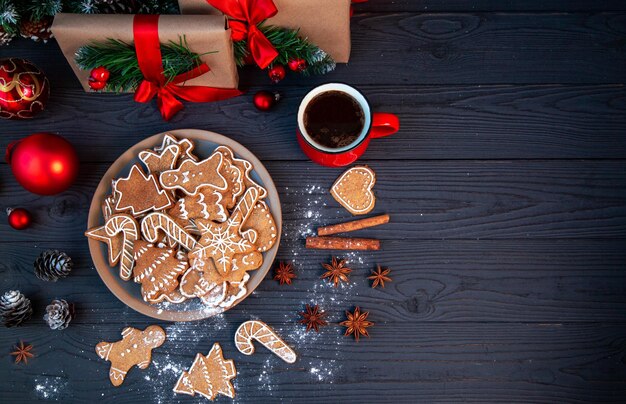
point(244, 15)
point(148, 49)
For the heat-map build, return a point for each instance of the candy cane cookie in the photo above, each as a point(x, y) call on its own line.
point(156, 221)
point(258, 330)
point(125, 224)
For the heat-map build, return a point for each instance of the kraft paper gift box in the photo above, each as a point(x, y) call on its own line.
point(205, 35)
point(326, 23)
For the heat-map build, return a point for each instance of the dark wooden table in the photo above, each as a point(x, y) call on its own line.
point(507, 191)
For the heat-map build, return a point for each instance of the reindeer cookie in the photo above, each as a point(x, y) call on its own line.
point(135, 348)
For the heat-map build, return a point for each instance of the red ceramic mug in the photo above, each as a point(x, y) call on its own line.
point(375, 125)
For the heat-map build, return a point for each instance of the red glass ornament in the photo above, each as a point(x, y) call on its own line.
point(97, 85)
point(276, 73)
point(43, 163)
point(20, 218)
point(297, 65)
point(265, 100)
point(24, 89)
point(100, 74)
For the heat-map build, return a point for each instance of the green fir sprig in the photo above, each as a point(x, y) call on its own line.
point(9, 16)
point(120, 59)
point(289, 45)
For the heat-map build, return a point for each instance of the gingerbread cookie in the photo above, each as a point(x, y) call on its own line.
point(262, 223)
point(155, 222)
point(208, 376)
point(191, 175)
point(120, 233)
point(108, 206)
point(234, 177)
point(157, 162)
point(353, 190)
point(139, 193)
point(258, 330)
point(235, 291)
point(246, 169)
point(206, 204)
point(135, 348)
point(186, 147)
point(157, 269)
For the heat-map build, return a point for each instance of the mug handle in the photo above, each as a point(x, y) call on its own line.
point(384, 124)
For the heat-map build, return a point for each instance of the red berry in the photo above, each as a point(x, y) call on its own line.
point(264, 100)
point(19, 219)
point(276, 73)
point(100, 74)
point(297, 64)
point(97, 85)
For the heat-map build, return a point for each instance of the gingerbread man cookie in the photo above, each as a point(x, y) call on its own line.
point(135, 348)
point(353, 190)
point(191, 176)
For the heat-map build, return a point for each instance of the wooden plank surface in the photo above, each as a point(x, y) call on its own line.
point(506, 188)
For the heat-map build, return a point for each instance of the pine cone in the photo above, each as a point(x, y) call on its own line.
point(15, 308)
point(5, 37)
point(37, 30)
point(52, 265)
point(58, 315)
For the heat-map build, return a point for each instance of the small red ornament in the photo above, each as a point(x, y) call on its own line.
point(265, 100)
point(19, 218)
point(24, 89)
point(100, 74)
point(276, 73)
point(97, 85)
point(43, 163)
point(297, 65)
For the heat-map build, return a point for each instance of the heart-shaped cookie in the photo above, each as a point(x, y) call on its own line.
point(353, 190)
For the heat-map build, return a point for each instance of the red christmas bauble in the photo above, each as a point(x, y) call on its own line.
point(20, 218)
point(297, 65)
point(43, 163)
point(276, 73)
point(264, 100)
point(97, 85)
point(100, 74)
point(24, 89)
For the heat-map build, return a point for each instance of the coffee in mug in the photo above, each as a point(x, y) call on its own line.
point(336, 124)
point(334, 119)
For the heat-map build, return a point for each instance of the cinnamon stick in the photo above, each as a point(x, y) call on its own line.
point(353, 225)
point(342, 243)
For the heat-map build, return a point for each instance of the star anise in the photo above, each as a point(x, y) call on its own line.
point(284, 273)
point(313, 318)
point(357, 323)
point(336, 271)
point(379, 276)
point(22, 352)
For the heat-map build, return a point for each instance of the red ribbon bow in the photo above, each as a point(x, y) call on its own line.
point(244, 15)
point(148, 49)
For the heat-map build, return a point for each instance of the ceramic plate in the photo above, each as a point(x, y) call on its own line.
point(129, 291)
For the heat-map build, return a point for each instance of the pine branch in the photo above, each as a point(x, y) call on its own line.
point(9, 16)
point(120, 60)
point(290, 46)
point(36, 10)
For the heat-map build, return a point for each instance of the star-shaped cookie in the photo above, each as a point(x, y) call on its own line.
point(185, 145)
point(114, 243)
point(160, 161)
point(222, 241)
